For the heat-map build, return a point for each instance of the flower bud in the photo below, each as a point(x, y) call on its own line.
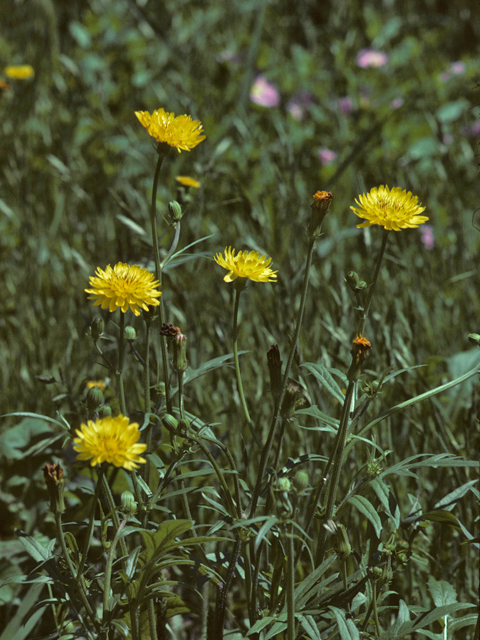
point(130, 334)
point(354, 282)
point(360, 350)
point(180, 363)
point(53, 474)
point(275, 369)
point(97, 328)
point(174, 211)
point(105, 411)
point(343, 546)
point(474, 338)
point(284, 484)
point(170, 422)
point(300, 481)
point(288, 405)
point(94, 399)
point(129, 505)
point(320, 206)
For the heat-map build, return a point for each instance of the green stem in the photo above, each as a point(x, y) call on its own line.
point(236, 360)
point(337, 456)
point(290, 586)
point(79, 583)
point(121, 353)
point(181, 410)
point(276, 416)
point(91, 522)
point(162, 153)
point(375, 609)
point(172, 249)
point(146, 392)
point(108, 568)
point(368, 301)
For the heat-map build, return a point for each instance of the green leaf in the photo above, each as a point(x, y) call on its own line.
point(324, 377)
point(160, 542)
point(451, 111)
point(346, 628)
point(34, 548)
point(264, 529)
point(366, 507)
point(207, 367)
point(442, 592)
point(423, 396)
point(315, 412)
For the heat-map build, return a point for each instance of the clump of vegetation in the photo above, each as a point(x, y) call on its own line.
point(240, 393)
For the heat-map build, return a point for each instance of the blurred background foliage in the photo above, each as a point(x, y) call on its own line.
point(76, 174)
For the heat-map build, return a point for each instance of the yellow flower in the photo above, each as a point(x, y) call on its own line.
point(180, 132)
point(188, 182)
point(124, 286)
point(246, 265)
point(21, 72)
point(113, 440)
point(392, 210)
point(96, 383)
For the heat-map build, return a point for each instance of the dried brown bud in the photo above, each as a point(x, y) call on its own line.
point(169, 330)
point(53, 474)
point(321, 204)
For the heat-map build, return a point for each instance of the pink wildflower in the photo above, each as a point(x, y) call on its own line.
point(326, 156)
point(264, 93)
point(371, 58)
point(427, 236)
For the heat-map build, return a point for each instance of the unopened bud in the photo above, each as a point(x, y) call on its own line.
point(105, 411)
point(97, 328)
point(130, 334)
point(288, 404)
point(300, 481)
point(320, 206)
point(129, 505)
point(284, 484)
point(180, 363)
point(174, 211)
point(170, 422)
point(474, 338)
point(94, 398)
point(53, 474)
point(344, 547)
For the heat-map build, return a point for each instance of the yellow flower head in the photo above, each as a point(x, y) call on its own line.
point(180, 132)
point(246, 265)
point(21, 72)
point(124, 286)
point(113, 440)
point(188, 182)
point(391, 209)
point(96, 383)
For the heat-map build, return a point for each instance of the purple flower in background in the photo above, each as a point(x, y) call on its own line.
point(264, 93)
point(472, 131)
point(371, 58)
point(345, 105)
point(397, 103)
point(298, 104)
point(455, 69)
point(427, 236)
point(326, 156)
point(447, 138)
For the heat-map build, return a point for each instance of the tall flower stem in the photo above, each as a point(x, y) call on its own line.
point(91, 522)
point(290, 585)
point(146, 394)
point(108, 568)
point(162, 154)
point(276, 415)
point(252, 56)
point(337, 456)
point(368, 301)
point(78, 581)
point(237, 366)
point(121, 355)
